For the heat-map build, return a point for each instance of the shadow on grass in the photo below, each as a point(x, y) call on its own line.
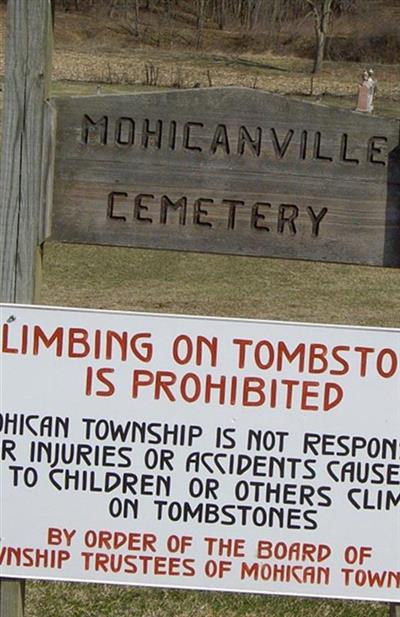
point(246, 62)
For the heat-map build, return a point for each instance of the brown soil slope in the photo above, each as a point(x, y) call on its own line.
point(92, 47)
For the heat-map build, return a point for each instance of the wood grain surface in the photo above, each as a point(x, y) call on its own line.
point(25, 178)
point(230, 170)
point(25, 158)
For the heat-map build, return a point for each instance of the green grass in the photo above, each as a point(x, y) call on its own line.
point(85, 600)
point(172, 282)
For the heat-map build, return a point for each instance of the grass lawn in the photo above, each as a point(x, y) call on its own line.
point(85, 600)
point(230, 286)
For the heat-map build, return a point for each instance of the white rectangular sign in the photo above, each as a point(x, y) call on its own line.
point(202, 453)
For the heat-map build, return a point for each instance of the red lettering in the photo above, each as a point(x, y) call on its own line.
point(264, 549)
point(284, 353)
point(54, 536)
point(253, 386)
point(336, 356)
point(190, 381)
point(40, 337)
point(101, 377)
point(89, 380)
point(243, 343)
point(268, 361)
point(141, 379)
point(391, 370)
point(145, 351)
point(212, 347)
point(307, 393)
point(363, 351)
point(4, 347)
point(164, 379)
point(289, 383)
point(182, 354)
point(188, 567)
point(121, 339)
point(337, 392)
point(318, 353)
point(78, 337)
point(219, 386)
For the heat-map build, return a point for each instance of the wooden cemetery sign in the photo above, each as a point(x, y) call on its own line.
point(227, 170)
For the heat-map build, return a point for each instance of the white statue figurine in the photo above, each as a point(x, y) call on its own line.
point(366, 90)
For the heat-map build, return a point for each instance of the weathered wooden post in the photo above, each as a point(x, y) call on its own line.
point(24, 173)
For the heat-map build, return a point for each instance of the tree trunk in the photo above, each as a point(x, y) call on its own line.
point(112, 7)
point(135, 21)
point(319, 52)
point(201, 5)
point(221, 14)
point(322, 13)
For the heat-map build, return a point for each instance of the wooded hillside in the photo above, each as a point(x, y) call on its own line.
point(355, 30)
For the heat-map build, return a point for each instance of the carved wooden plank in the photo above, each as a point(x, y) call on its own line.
point(25, 160)
point(228, 171)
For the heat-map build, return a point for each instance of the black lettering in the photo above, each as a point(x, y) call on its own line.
point(289, 220)
point(180, 205)
point(317, 149)
point(125, 132)
point(257, 217)
point(280, 149)
point(111, 203)
point(232, 211)
point(316, 219)
point(172, 135)
point(303, 145)
point(198, 211)
point(220, 139)
point(246, 139)
point(375, 149)
point(186, 136)
point(94, 132)
point(343, 150)
point(150, 136)
point(7, 448)
point(140, 207)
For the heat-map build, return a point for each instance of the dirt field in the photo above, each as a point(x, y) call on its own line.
point(104, 54)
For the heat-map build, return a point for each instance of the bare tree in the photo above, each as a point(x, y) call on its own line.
point(253, 13)
point(220, 11)
point(322, 10)
point(200, 18)
point(136, 17)
point(167, 7)
point(132, 15)
point(112, 7)
point(66, 4)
